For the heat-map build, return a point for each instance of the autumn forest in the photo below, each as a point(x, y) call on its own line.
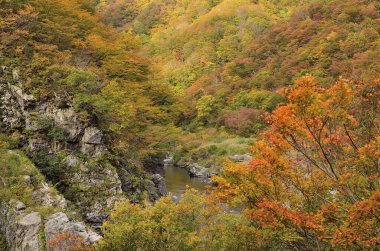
point(271, 106)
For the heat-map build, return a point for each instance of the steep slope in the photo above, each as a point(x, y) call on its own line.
point(222, 54)
point(33, 215)
point(67, 151)
point(77, 94)
point(326, 39)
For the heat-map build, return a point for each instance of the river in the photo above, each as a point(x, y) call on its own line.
point(177, 179)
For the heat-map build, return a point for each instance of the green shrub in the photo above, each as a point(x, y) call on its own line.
point(43, 123)
point(192, 224)
point(258, 99)
point(50, 165)
point(57, 134)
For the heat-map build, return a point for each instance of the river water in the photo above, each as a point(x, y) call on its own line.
point(177, 179)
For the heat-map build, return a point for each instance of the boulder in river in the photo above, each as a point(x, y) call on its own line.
point(196, 170)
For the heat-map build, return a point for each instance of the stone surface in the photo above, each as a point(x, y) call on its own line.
point(169, 161)
point(101, 184)
point(196, 170)
point(16, 75)
point(93, 237)
point(92, 135)
point(24, 100)
point(242, 158)
point(10, 110)
point(71, 161)
point(69, 121)
point(160, 184)
point(59, 223)
point(20, 206)
point(27, 180)
point(27, 229)
point(35, 145)
point(152, 189)
point(93, 150)
point(92, 144)
point(175, 199)
point(46, 198)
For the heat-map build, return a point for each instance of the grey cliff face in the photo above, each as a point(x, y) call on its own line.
point(23, 230)
point(27, 232)
point(58, 224)
point(91, 183)
point(21, 111)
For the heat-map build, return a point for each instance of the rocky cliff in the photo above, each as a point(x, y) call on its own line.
point(72, 154)
point(33, 215)
point(57, 133)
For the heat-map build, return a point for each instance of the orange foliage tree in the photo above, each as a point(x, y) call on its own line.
point(314, 179)
point(68, 242)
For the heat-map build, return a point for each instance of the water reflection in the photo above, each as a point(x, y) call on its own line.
point(177, 179)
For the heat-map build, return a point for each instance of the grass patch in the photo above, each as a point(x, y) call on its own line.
point(210, 147)
point(14, 168)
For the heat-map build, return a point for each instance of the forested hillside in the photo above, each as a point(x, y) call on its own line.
point(313, 184)
point(77, 100)
point(313, 181)
point(227, 54)
point(63, 49)
point(273, 103)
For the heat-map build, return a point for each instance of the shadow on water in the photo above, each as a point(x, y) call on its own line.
point(177, 179)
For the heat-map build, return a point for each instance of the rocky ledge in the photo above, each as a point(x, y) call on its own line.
point(70, 151)
point(28, 231)
point(41, 222)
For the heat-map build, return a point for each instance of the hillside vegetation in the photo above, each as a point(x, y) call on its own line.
point(64, 50)
point(298, 75)
point(227, 54)
point(95, 94)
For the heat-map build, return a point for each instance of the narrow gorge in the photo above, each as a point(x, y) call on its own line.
point(197, 125)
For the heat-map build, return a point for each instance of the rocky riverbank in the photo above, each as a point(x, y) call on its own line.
point(203, 173)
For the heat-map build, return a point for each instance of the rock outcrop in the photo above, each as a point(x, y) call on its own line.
point(196, 170)
point(58, 226)
point(45, 197)
point(92, 142)
point(23, 231)
point(159, 183)
point(156, 185)
point(53, 131)
point(243, 158)
point(28, 214)
point(20, 230)
point(26, 236)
